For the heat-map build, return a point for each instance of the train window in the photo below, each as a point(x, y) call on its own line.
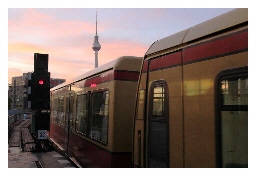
point(233, 90)
point(67, 104)
point(67, 111)
point(141, 102)
point(82, 113)
point(158, 101)
point(61, 118)
point(99, 120)
point(55, 111)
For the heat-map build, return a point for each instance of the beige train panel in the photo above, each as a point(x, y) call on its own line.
point(128, 63)
point(139, 126)
point(124, 104)
point(173, 79)
point(143, 81)
point(138, 143)
point(199, 108)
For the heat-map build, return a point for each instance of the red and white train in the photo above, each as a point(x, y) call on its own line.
point(185, 104)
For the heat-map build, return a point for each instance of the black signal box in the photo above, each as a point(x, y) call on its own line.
point(40, 83)
point(40, 92)
point(40, 63)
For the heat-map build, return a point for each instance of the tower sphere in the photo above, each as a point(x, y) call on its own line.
point(96, 45)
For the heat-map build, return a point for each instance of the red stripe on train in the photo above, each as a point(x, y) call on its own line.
point(110, 75)
point(166, 61)
point(215, 48)
point(145, 66)
point(104, 77)
point(229, 44)
point(126, 75)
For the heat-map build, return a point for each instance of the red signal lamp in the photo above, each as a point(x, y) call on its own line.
point(41, 82)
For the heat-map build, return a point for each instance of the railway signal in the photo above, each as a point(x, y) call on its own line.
point(40, 96)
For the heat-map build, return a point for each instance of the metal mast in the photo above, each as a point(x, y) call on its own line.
point(96, 45)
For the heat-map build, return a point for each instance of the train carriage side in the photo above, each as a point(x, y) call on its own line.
point(59, 115)
point(126, 75)
point(192, 102)
point(104, 100)
point(88, 140)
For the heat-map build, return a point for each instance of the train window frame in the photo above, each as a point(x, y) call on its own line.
point(60, 114)
point(224, 109)
point(55, 110)
point(155, 84)
point(86, 111)
point(93, 133)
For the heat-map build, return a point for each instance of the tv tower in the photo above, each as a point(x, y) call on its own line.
point(96, 45)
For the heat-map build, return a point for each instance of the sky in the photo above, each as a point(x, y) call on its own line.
point(67, 35)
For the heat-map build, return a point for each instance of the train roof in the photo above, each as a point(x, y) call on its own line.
point(224, 21)
point(129, 63)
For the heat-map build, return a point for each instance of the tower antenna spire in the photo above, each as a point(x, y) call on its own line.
point(96, 45)
point(96, 23)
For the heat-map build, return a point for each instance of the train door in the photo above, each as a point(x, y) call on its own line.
point(158, 126)
point(158, 137)
point(232, 119)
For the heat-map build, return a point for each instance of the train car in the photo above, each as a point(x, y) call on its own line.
point(192, 100)
point(92, 117)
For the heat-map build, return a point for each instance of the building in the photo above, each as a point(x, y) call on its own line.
point(54, 82)
point(18, 91)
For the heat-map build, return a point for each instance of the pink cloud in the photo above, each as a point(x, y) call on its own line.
point(34, 23)
point(25, 47)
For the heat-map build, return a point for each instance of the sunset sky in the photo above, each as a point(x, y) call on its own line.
point(67, 35)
